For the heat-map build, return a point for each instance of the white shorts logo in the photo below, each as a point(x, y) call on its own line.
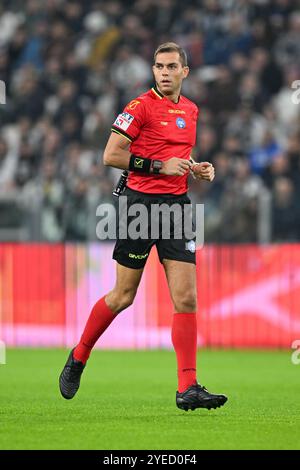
point(191, 246)
point(123, 121)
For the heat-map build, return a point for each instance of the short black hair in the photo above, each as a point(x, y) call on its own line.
point(172, 47)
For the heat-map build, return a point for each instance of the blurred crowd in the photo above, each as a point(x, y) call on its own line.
point(70, 66)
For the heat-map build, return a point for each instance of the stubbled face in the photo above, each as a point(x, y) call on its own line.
point(169, 72)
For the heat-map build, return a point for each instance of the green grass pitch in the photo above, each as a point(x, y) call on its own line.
point(127, 401)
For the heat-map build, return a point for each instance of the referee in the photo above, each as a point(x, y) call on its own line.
point(153, 138)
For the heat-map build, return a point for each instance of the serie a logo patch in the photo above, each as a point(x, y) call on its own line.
point(123, 121)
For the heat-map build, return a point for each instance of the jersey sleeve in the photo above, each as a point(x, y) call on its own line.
point(130, 121)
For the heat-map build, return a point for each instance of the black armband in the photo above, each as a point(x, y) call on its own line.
point(140, 164)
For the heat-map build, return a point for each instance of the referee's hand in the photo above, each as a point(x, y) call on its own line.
point(204, 171)
point(175, 167)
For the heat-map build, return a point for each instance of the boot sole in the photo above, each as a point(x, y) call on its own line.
point(214, 403)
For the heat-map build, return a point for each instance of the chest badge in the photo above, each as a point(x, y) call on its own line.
point(180, 122)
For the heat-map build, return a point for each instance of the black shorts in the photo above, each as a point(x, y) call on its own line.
point(134, 253)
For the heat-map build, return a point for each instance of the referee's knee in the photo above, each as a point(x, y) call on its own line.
point(185, 303)
point(118, 300)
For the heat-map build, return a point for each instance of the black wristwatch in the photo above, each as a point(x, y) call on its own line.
point(156, 166)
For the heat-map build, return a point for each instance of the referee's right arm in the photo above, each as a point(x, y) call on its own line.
point(116, 152)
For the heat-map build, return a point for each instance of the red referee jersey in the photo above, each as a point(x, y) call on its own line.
point(159, 129)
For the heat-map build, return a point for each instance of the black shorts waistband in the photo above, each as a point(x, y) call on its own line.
point(156, 195)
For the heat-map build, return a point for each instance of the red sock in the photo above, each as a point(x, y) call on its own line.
point(100, 318)
point(184, 339)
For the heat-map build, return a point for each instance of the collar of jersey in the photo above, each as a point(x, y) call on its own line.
point(156, 91)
